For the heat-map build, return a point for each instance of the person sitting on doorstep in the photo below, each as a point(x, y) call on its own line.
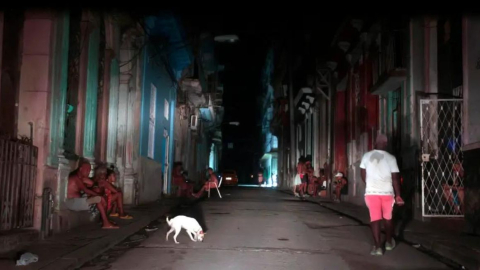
point(112, 194)
point(76, 189)
point(340, 184)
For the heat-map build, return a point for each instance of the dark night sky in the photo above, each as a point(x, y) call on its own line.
point(243, 65)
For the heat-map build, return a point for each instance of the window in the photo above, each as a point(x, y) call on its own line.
point(274, 142)
point(151, 125)
point(166, 109)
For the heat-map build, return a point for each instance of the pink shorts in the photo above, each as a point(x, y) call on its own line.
point(380, 205)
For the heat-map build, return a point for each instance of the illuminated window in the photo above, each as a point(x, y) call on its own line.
point(151, 125)
point(274, 142)
point(166, 109)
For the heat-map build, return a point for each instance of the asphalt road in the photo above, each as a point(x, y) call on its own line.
point(253, 228)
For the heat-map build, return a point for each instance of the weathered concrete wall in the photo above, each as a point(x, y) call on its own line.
point(34, 91)
point(150, 180)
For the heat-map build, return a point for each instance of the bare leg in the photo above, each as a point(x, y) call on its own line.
point(103, 213)
point(114, 207)
point(301, 190)
point(375, 226)
point(118, 199)
point(337, 193)
point(200, 192)
point(389, 230)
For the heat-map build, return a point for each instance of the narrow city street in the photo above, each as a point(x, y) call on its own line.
point(253, 228)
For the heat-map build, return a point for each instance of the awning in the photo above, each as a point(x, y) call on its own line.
point(390, 82)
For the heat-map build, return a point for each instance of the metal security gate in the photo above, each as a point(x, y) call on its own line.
point(18, 167)
point(442, 158)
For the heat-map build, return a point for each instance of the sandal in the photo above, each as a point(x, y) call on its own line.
point(126, 217)
point(110, 227)
point(114, 215)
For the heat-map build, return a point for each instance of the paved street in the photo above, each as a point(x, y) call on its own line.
point(254, 228)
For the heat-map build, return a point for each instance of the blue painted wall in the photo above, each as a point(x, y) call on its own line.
point(154, 72)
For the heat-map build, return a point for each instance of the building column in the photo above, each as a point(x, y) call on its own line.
point(58, 100)
point(471, 121)
point(127, 110)
point(1, 46)
point(122, 124)
point(89, 132)
point(113, 112)
point(59, 71)
point(316, 138)
point(431, 53)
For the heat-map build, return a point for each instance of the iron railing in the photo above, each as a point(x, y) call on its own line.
point(18, 169)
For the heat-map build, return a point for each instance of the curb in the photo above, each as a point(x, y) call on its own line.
point(461, 256)
point(79, 257)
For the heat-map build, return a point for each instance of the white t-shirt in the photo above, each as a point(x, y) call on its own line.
point(379, 165)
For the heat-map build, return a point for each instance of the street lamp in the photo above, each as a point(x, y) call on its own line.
point(226, 38)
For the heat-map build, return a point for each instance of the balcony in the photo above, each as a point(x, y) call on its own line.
point(389, 67)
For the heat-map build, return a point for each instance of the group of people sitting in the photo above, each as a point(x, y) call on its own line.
point(307, 182)
point(185, 187)
point(98, 193)
point(305, 179)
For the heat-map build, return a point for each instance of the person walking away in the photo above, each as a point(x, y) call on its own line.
point(380, 173)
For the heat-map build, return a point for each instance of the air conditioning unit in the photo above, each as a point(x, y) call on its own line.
point(194, 122)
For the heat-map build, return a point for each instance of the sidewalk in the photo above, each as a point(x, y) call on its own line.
point(432, 236)
point(72, 249)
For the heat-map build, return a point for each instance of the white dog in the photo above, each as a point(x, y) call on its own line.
point(194, 230)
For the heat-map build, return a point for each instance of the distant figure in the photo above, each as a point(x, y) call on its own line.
point(184, 189)
point(297, 184)
point(340, 184)
point(209, 184)
point(76, 202)
point(380, 173)
point(311, 184)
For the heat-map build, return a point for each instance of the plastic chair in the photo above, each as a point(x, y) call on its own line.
point(217, 187)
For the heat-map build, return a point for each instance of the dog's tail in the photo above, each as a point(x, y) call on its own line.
point(168, 222)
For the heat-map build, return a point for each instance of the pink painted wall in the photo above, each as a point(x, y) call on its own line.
point(34, 91)
point(1, 44)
